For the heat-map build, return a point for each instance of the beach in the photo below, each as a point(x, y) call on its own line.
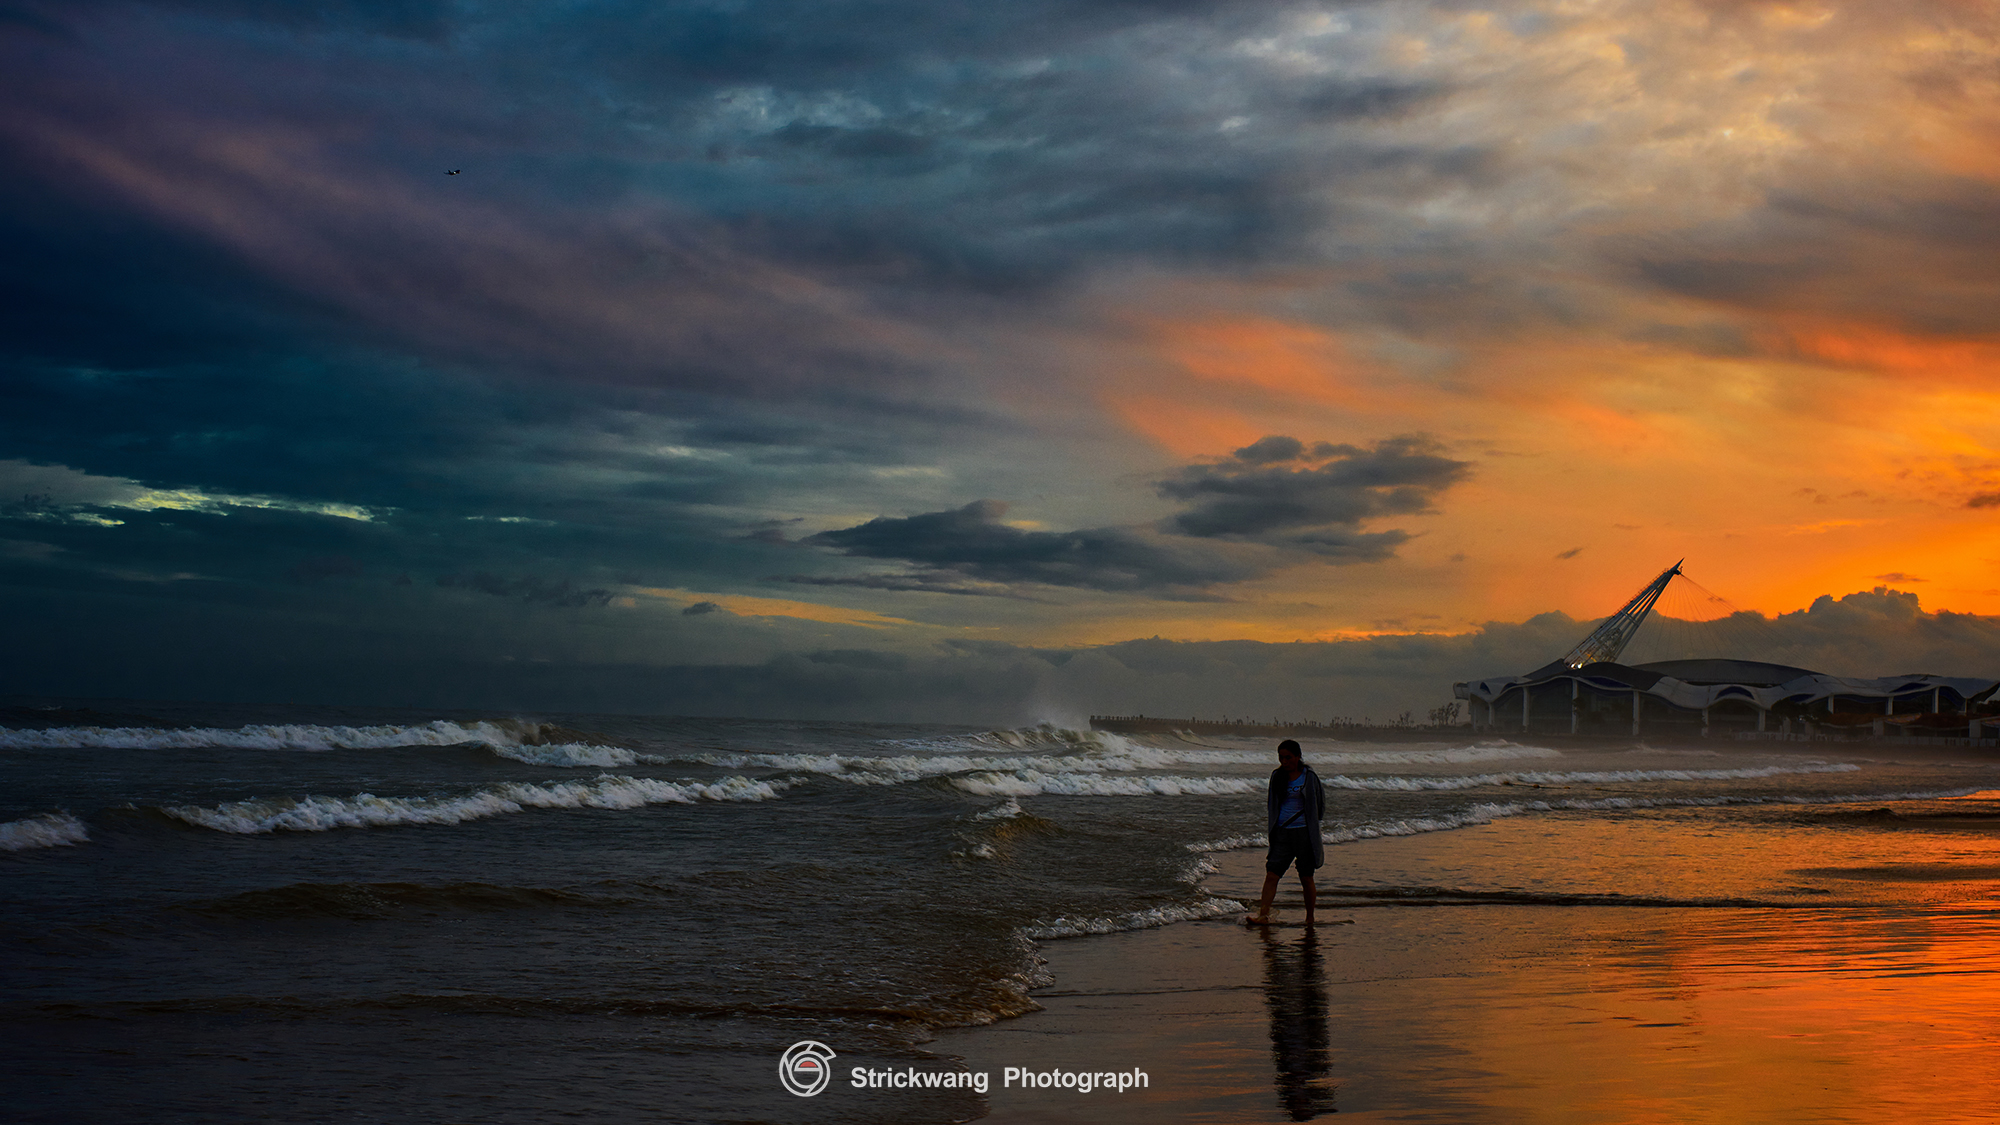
point(235, 914)
point(1835, 966)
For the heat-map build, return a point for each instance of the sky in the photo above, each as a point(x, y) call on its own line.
point(985, 363)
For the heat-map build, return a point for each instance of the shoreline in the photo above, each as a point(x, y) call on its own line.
point(1827, 983)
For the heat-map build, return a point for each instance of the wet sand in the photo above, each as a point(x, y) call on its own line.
point(1830, 964)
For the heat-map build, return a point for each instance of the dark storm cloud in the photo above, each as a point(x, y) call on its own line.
point(664, 193)
point(529, 588)
point(1338, 545)
point(1915, 251)
point(323, 568)
point(972, 542)
point(1280, 491)
point(1347, 100)
point(711, 263)
point(267, 229)
point(1276, 492)
point(416, 19)
point(757, 199)
point(931, 582)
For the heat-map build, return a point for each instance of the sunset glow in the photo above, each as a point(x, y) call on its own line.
point(1534, 300)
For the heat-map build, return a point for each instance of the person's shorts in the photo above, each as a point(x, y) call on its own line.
point(1290, 846)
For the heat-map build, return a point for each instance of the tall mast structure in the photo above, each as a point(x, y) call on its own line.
point(1608, 640)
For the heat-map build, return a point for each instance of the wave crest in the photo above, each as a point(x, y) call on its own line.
point(49, 830)
point(536, 743)
point(366, 810)
point(1068, 926)
point(1030, 782)
point(1488, 812)
point(1577, 777)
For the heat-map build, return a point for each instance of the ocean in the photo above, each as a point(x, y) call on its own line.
point(236, 913)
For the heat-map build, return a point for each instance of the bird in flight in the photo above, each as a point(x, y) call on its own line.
point(454, 171)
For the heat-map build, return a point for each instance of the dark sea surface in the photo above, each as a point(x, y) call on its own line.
point(219, 913)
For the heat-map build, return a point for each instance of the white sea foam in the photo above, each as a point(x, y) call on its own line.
point(1122, 752)
point(1200, 869)
point(1008, 809)
point(366, 810)
point(1064, 750)
point(1069, 926)
point(862, 769)
point(1029, 782)
point(48, 830)
point(1577, 777)
point(519, 740)
point(1488, 812)
point(1082, 752)
point(1448, 755)
point(1055, 737)
point(575, 754)
point(1328, 750)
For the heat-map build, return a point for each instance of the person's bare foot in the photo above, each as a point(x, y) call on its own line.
point(1256, 919)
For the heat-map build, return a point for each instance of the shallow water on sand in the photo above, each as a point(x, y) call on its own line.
point(1835, 966)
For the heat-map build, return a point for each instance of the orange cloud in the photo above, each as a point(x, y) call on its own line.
point(1885, 350)
point(1209, 382)
point(1292, 361)
point(1184, 428)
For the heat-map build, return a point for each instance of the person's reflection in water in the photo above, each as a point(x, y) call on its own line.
point(1295, 989)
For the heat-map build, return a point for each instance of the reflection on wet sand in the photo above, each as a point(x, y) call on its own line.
point(1662, 967)
point(1295, 992)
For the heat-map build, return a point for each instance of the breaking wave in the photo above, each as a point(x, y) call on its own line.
point(1449, 756)
point(1033, 779)
point(1488, 812)
point(48, 830)
point(574, 754)
point(1067, 926)
point(542, 744)
point(898, 769)
point(893, 769)
point(1318, 751)
point(1030, 782)
point(1579, 777)
point(1099, 751)
point(1009, 809)
point(366, 810)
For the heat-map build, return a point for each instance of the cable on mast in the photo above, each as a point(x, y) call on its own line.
point(1606, 642)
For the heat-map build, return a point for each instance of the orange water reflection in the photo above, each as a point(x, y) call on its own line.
point(1752, 1016)
point(1770, 964)
point(1853, 977)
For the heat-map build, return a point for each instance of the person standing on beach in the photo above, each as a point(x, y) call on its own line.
point(1294, 804)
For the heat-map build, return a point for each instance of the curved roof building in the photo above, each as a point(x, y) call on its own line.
point(1588, 692)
